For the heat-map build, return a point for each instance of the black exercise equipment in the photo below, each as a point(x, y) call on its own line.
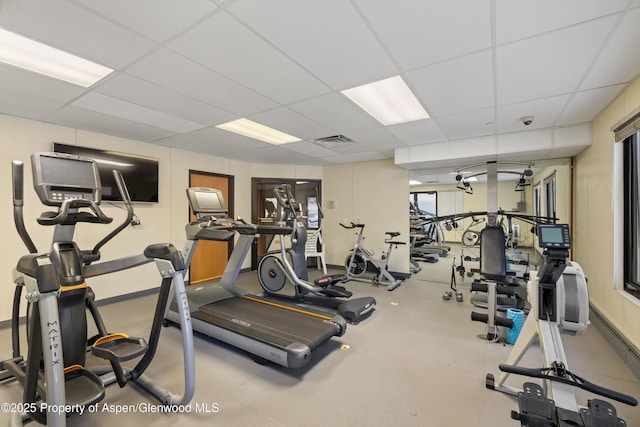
point(559, 305)
point(281, 333)
point(276, 268)
point(54, 374)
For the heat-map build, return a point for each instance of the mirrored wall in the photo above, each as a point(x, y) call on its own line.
point(455, 243)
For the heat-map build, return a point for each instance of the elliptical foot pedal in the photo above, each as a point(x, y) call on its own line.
point(535, 408)
point(82, 387)
point(601, 414)
point(118, 347)
point(337, 292)
point(329, 280)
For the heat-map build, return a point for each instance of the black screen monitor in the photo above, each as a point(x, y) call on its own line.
point(554, 236)
point(139, 172)
point(206, 201)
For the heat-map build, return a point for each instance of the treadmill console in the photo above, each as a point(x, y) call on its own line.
point(58, 177)
point(206, 202)
point(554, 236)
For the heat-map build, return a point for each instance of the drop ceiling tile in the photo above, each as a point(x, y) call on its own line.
point(418, 132)
point(96, 122)
point(352, 148)
point(620, 62)
point(550, 64)
point(328, 38)
point(461, 84)
point(378, 139)
point(545, 112)
point(135, 90)
point(336, 112)
point(37, 86)
point(249, 60)
point(356, 157)
point(125, 110)
point(26, 106)
point(167, 18)
point(521, 19)
point(468, 124)
point(273, 155)
point(229, 142)
point(174, 72)
point(417, 33)
point(75, 30)
point(586, 105)
point(190, 142)
point(310, 149)
point(292, 122)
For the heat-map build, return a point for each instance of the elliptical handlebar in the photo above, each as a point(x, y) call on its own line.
point(124, 193)
point(17, 172)
point(63, 214)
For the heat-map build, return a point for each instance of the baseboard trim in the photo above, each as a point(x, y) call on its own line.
point(396, 274)
point(620, 344)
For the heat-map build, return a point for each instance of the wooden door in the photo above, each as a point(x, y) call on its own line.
point(210, 258)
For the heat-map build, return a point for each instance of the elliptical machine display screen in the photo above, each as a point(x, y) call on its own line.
point(59, 177)
point(554, 236)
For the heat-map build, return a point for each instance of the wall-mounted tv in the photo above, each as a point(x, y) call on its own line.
point(140, 173)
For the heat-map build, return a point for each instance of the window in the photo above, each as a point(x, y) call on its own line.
point(536, 200)
point(425, 201)
point(631, 149)
point(550, 193)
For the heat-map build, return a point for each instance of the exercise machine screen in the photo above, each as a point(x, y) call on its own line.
point(554, 236)
point(206, 201)
point(58, 177)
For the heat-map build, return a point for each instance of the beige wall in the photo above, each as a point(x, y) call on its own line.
point(375, 193)
point(597, 237)
point(161, 222)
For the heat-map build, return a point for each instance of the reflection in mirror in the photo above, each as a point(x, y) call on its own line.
point(547, 188)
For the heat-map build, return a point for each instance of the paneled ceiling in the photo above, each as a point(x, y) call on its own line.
point(182, 67)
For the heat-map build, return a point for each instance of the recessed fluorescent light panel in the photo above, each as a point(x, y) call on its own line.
point(414, 182)
point(257, 131)
point(34, 56)
point(389, 101)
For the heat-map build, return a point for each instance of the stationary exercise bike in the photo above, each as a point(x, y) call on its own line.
point(54, 373)
point(276, 268)
point(559, 305)
point(361, 259)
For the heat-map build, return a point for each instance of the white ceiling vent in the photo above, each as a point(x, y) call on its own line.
point(332, 142)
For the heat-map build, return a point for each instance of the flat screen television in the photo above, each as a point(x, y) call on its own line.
point(140, 173)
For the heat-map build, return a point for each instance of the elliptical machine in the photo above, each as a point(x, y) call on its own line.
point(54, 374)
point(276, 268)
point(559, 305)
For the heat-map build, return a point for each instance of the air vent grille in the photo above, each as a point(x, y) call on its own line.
point(333, 141)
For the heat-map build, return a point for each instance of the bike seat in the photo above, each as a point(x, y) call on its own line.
point(393, 234)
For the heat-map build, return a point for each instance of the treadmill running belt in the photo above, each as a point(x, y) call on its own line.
point(266, 323)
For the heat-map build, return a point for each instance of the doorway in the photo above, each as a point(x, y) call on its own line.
point(210, 258)
point(264, 208)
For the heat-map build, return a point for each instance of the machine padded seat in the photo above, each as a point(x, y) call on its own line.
point(493, 259)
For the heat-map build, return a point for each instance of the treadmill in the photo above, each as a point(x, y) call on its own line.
point(276, 332)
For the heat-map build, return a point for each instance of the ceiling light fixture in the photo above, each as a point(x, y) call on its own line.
point(414, 182)
point(257, 131)
point(390, 101)
point(34, 56)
